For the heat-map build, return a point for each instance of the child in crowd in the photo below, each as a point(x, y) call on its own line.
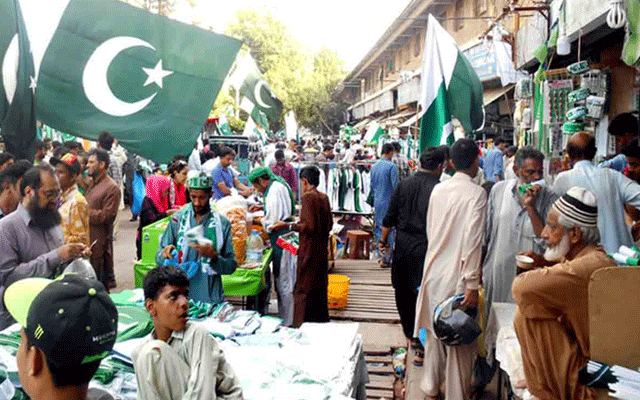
point(180, 359)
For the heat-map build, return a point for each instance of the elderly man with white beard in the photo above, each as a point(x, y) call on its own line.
point(552, 318)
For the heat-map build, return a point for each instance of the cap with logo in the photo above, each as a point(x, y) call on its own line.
point(70, 160)
point(202, 181)
point(71, 319)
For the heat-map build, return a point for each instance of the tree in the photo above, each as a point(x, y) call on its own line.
point(303, 83)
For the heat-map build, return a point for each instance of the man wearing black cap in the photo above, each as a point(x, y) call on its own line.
point(68, 326)
point(74, 210)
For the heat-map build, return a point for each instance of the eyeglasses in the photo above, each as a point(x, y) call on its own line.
point(52, 194)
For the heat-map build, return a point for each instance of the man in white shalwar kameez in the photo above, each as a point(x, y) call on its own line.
point(455, 226)
point(514, 224)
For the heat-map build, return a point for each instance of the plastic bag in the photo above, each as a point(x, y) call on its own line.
point(81, 267)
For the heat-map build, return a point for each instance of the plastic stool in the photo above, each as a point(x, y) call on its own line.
point(358, 245)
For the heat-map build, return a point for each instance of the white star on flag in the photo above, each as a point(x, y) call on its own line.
point(155, 75)
point(32, 84)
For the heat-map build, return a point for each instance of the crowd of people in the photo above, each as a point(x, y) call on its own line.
point(448, 227)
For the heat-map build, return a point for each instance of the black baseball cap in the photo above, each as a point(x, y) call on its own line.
point(71, 319)
point(70, 160)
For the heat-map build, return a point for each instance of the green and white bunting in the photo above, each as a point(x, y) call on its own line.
point(450, 88)
point(103, 65)
point(17, 108)
point(247, 79)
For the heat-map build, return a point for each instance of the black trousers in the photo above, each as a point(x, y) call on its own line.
point(406, 275)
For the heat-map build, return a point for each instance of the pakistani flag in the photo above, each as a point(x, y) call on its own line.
point(259, 118)
point(223, 126)
point(247, 79)
point(374, 132)
point(251, 127)
point(450, 88)
point(103, 65)
point(17, 81)
point(631, 48)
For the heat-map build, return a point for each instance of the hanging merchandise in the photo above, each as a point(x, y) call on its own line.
point(617, 17)
point(556, 104)
point(523, 89)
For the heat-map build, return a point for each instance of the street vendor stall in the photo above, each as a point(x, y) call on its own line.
point(316, 361)
point(247, 280)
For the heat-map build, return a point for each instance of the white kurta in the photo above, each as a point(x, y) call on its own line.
point(277, 205)
point(455, 228)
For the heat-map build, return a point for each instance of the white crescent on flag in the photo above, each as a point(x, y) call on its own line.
point(94, 77)
point(257, 94)
point(10, 68)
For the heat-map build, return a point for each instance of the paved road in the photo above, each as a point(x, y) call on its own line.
point(124, 250)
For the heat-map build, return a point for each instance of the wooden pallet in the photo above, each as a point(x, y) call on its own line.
point(371, 297)
point(381, 376)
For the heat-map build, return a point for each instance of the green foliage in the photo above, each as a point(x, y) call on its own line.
point(305, 84)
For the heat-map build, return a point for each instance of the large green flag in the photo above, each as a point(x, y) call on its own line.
point(247, 79)
point(107, 66)
point(450, 88)
point(17, 110)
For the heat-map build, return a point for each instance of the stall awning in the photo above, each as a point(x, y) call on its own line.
point(362, 123)
point(409, 122)
point(399, 115)
point(493, 94)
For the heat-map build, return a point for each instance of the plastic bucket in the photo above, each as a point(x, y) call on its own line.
point(338, 291)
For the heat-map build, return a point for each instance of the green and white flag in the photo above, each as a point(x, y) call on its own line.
point(374, 132)
point(223, 126)
point(259, 118)
point(103, 65)
point(631, 47)
point(17, 107)
point(251, 127)
point(247, 79)
point(450, 88)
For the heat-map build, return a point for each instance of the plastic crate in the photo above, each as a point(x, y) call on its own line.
point(151, 235)
point(140, 269)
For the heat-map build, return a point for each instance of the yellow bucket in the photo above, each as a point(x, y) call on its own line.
point(338, 291)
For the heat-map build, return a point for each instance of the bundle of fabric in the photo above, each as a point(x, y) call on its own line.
point(623, 383)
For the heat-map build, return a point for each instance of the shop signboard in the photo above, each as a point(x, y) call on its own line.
point(409, 91)
point(368, 108)
point(358, 112)
point(386, 101)
point(484, 61)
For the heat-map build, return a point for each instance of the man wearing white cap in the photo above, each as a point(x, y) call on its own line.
point(552, 317)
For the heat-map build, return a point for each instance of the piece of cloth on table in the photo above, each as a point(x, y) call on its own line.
point(501, 337)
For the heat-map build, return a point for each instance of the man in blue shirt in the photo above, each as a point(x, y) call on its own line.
point(384, 179)
point(493, 164)
point(223, 177)
point(624, 128)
